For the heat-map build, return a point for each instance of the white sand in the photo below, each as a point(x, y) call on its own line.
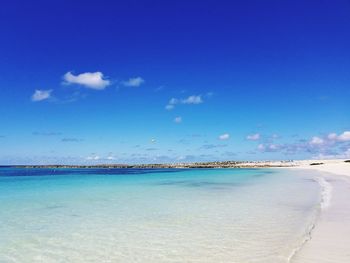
point(338, 167)
point(330, 240)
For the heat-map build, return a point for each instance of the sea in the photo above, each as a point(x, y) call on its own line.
point(157, 215)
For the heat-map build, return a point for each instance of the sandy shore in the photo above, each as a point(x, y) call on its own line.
point(338, 167)
point(330, 239)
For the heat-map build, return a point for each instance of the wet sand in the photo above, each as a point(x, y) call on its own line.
point(330, 239)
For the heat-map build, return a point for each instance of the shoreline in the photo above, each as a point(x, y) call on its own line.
point(326, 192)
point(330, 238)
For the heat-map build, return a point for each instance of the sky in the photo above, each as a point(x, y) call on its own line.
point(86, 82)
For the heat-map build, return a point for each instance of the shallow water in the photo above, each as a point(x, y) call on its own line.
point(138, 215)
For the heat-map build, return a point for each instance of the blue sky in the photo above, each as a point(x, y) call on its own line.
point(173, 81)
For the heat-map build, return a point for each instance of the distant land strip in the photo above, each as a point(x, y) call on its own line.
point(222, 164)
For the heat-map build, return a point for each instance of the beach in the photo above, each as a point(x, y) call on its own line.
point(175, 132)
point(330, 238)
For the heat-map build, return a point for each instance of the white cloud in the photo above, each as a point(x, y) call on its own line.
point(91, 80)
point(344, 155)
point(133, 82)
point(273, 147)
point(99, 158)
point(224, 136)
point(178, 119)
point(268, 147)
point(331, 140)
point(344, 137)
point(316, 141)
point(332, 145)
point(261, 147)
point(194, 99)
point(253, 137)
point(40, 95)
point(93, 157)
point(332, 136)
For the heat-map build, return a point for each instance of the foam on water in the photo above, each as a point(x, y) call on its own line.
point(326, 192)
point(324, 203)
point(156, 215)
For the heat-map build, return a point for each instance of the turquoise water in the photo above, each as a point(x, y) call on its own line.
point(131, 215)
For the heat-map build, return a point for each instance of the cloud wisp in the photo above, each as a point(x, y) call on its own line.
point(343, 137)
point(193, 99)
point(268, 147)
point(253, 137)
point(37, 133)
point(71, 140)
point(91, 80)
point(316, 141)
point(178, 120)
point(133, 82)
point(212, 146)
point(93, 157)
point(224, 137)
point(40, 95)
